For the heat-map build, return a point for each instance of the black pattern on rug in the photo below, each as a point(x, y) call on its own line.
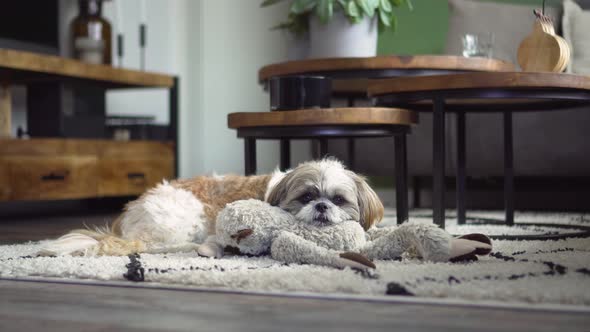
point(135, 272)
point(552, 269)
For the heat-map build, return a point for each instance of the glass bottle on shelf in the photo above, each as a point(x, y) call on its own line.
point(91, 33)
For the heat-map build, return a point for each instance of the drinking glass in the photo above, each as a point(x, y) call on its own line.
point(478, 44)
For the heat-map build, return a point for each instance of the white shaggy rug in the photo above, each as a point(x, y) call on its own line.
point(531, 271)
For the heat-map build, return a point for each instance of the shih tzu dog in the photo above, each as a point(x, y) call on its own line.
point(180, 215)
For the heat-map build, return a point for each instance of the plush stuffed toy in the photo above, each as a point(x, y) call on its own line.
point(254, 227)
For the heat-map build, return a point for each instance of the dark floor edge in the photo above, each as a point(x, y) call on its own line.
point(484, 304)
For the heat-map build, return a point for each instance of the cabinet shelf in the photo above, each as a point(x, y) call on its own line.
point(18, 67)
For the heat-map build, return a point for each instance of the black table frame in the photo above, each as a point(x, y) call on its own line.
point(553, 99)
point(287, 133)
point(378, 73)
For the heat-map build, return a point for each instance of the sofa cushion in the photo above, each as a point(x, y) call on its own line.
point(576, 30)
point(509, 23)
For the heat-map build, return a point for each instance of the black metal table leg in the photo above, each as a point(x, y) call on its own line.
point(350, 142)
point(401, 175)
point(508, 170)
point(416, 188)
point(438, 162)
point(461, 196)
point(323, 147)
point(250, 155)
point(285, 154)
point(315, 149)
point(351, 153)
point(173, 127)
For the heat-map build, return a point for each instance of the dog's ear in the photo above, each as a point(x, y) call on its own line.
point(370, 206)
point(278, 193)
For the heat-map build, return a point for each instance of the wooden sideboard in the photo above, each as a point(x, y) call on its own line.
point(45, 169)
point(52, 168)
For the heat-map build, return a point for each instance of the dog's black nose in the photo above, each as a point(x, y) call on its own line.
point(321, 207)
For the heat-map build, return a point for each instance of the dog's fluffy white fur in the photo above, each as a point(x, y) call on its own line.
point(167, 218)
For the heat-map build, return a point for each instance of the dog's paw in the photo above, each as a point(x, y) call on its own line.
point(467, 247)
point(210, 249)
point(354, 260)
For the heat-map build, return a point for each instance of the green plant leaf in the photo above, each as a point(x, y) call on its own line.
point(325, 10)
point(393, 21)
point(281, 26)
point(352, 10)
point(302, 6)
point(267, 3)
point(385, 6)
point(384, 18)
point(374, 4)
point(387, 21)
point(397, 3)
point(410, 5)
point(366, 7)
point(342, 4)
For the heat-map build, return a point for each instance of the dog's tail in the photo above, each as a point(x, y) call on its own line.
point(92, 242)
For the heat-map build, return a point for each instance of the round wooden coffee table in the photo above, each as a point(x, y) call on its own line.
point(505, 92)
point(330, 123)
point(351, 77)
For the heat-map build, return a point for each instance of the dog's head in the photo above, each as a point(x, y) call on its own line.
point(324, 192)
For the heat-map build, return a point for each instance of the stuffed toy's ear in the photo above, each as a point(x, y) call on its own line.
point(370, 206)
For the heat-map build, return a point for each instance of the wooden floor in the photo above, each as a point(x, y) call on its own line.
point(23, 229)
point(47, 306)
point(31, 306)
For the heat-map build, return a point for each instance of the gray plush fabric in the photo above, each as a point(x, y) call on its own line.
point(291, 241)
point(268, 222)
point(420, 237)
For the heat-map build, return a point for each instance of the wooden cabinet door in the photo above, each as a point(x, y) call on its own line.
point(132, 176)
point(45, 177)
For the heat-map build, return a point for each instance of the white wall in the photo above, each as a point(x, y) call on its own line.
point(230, 40)
point(217, 48)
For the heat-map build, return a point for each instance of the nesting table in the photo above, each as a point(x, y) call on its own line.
point(330, 123)
point(505, 92)
point(352, 76)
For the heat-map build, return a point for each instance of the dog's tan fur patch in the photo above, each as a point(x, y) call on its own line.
point(216, 192)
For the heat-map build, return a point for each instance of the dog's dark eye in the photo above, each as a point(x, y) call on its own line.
point(338, 200)
point(306, 198)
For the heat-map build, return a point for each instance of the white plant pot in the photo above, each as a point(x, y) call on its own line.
point(340, 38)
point(297, 46)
